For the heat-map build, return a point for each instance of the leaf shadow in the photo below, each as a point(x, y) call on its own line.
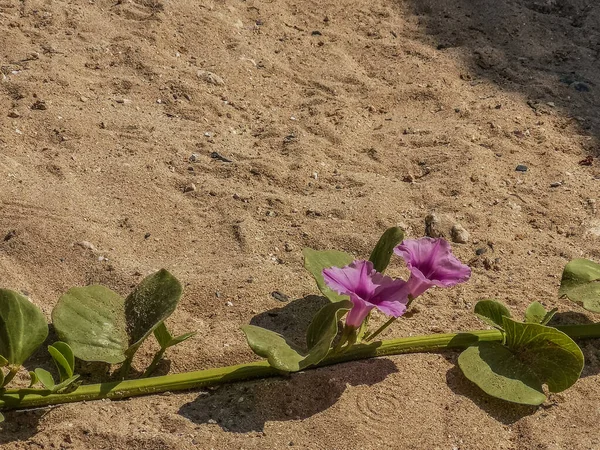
point(504, 412)
point(245, 407)
point(20, 425)
point(293, 319)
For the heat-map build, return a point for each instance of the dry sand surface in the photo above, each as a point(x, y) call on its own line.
point(218, 138)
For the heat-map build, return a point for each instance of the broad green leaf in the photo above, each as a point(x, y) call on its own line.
point(99, 325)
point(274, 347)
point(45, 378)
point(152, 301)
point(63, 358)
point(3, 361)
point(581, 283)
point(23, 327)
point(491, 312)
point(1, 378)
point(534, 355)
point(322, 331)
point(91, 320)
point(316, 260)
point(383, 251)
point(536, 313)
point(34, 378)
point(1, 418)
point(551, 354)
point(499, 373)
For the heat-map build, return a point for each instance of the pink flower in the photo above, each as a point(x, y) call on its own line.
point(367, 289)
point(431, 263)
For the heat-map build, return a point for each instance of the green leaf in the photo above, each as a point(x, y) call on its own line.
point(581, 283)
point(45, 378)
point(151, 303)
point(63, 358)
point(91, 320)
point(68, 383)
point(383, 251)
point(1, 377)
point(181, 338)
point(166, 340)
point(34, 379)
point(99, 325)
point(491, 312)
point(536, 313)
point(551, 354)
point(274, 347)
point(162, 335)
point(1, 418)
point(23, 327)
point(322, 331)
point(3, 361)
point(534, 355)
point(315, 261)
point(499, 373)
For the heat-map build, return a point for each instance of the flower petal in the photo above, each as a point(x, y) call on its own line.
point(359, 312)
point(390, 308)
point(432, 261)
point(355, 278)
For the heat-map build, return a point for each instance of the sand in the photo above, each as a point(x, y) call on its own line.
point(217, 139)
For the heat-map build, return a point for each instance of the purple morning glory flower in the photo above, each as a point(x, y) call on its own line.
point(431, 263)
point(367, 289)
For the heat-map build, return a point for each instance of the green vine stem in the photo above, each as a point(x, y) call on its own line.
point(27, 398)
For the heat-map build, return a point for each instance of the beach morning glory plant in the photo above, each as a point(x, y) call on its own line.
point(519, 361)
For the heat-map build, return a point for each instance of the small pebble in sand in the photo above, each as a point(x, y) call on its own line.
point(189, 188)
point(432, 226)
point(87, 245)
point(459, 234)
point(521, 168)
point(280, 296)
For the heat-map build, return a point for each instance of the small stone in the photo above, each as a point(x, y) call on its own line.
point(432, 226)
point(14, 114)
point(521, 168)
point(580, 86)
point(480, 251)
point(39, 105)
point(87, 245)
point(229, 304)
point(123, 101)
point(280, 296)
point(556, 184)
point(83, 99)
point(11, 234)
point(218, 156)
point(190, 188)
point(210, 77)
point(288, 247)
point(193, 157)
point(212, 421)
point(551, 104)
point(315, 175)
point(459, 234)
